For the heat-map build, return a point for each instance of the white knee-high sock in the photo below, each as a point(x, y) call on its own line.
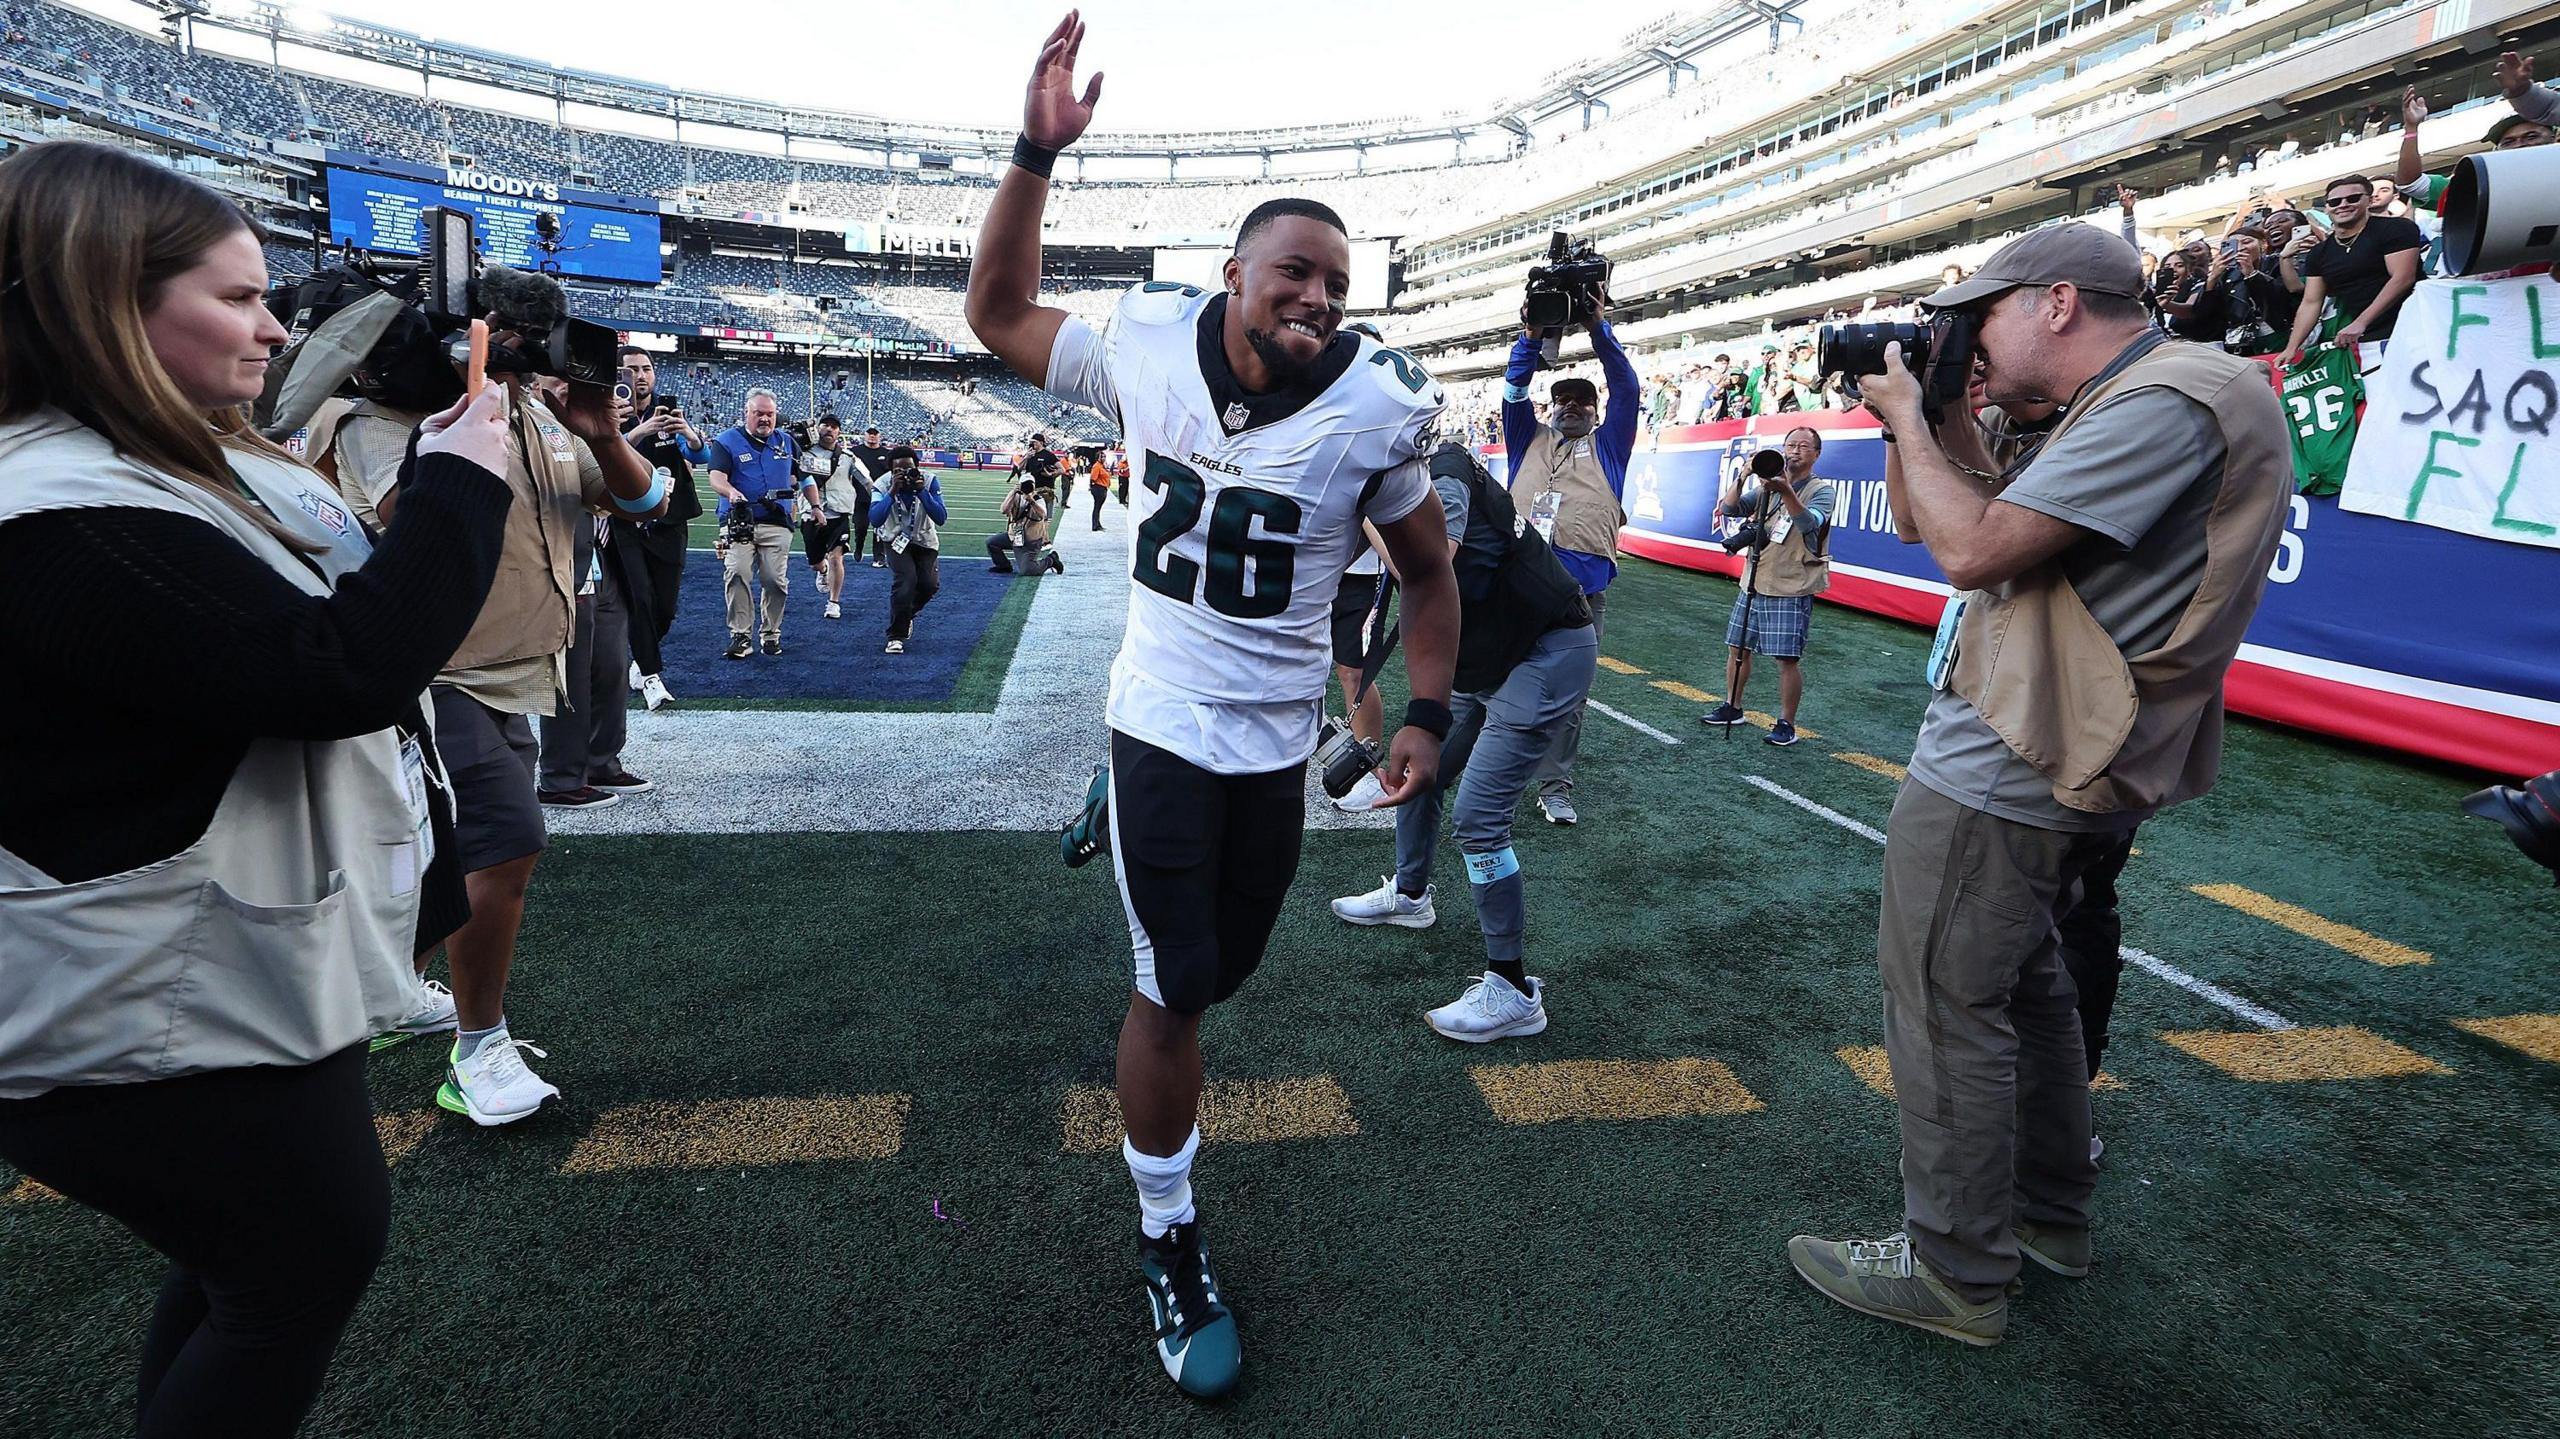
point(1164, 1185)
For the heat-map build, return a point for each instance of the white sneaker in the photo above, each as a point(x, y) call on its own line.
point(653, 692)
point(835, 611)
point(1491, 1009)
point(494, 1086)
point(636, 680)
point(434, 1012)
point(894, 647)
point(1364, 796)
point(1387, 905)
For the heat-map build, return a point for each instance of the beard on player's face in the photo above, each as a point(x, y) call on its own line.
point(1279, 355)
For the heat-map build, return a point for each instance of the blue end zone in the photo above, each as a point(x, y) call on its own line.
point(832, 660)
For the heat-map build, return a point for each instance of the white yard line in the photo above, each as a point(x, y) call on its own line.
point(1631, 722)
point(2150, 964)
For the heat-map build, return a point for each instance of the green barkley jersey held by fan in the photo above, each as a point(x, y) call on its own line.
point(2323, 396)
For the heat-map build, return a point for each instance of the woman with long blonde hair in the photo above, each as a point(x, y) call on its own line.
point(219, 806)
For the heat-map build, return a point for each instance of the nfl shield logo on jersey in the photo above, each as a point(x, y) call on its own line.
point(1236, 415)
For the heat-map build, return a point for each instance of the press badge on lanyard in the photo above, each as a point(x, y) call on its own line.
point(1542, 510)
point(1942, 649)
point(410, 860)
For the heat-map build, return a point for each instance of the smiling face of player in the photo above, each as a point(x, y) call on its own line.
point(1289, 284)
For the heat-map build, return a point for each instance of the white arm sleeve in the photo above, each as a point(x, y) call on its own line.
point(1080, 367)
point(1400, 491)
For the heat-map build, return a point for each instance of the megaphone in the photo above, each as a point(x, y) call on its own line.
point(2502, 209)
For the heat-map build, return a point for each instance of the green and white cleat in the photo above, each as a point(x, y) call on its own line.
point(1195, 1334)
point(1090, 835)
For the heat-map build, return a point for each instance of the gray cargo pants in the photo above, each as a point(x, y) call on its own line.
point(1982, 1026)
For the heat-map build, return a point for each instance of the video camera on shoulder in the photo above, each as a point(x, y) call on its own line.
point(397, 331)
point(1937, 350)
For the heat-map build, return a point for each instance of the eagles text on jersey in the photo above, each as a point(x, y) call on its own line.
point(1248, 506)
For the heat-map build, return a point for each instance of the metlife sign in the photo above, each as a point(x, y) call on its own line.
point(375, 204)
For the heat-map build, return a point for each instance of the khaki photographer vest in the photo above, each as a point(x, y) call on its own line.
point(2116, 731)
point(1793, 566)
point(281, 936)
point(1587, 515)
point(532, 608)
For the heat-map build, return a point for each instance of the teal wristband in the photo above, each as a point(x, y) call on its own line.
point(649, 502)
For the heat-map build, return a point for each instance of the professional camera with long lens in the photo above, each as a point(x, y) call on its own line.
point(1752, 534)
point(396, 331)
point(1937, 350)
point(1343, 757)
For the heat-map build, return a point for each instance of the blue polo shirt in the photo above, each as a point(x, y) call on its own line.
point(761, 472)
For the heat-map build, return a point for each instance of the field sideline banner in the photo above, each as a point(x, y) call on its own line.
point(2405, 636)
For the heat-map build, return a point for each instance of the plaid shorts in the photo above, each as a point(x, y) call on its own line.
point(1771, 625)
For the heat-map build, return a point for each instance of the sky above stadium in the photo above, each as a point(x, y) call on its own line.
point(1169, 66)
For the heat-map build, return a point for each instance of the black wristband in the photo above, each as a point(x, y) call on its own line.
point(1428, 715)
point(1032, 158)
point(1885, 435)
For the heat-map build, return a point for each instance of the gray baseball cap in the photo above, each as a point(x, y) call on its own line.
point(2080, 255)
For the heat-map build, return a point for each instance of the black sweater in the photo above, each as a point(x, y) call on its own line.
point(145, 649)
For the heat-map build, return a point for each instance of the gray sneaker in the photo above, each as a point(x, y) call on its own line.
point(1558, 808)
point(2064, 1251)
point(1884, 1278)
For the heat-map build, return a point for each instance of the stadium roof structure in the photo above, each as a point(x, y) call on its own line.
point(1664, 47)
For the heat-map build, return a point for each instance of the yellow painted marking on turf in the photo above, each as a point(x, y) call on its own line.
point(2285, 1055)
point(1618, 666)
point(1870, 763)
point(732, 1133)
point(1610, 1089)
point(401, 1133)
point(2535, 1034)
point(1868, 1062)
point(1686, 692)
point(2311, 926)
point(27, 1191)
point(1232, 1111)
point(1770, 721)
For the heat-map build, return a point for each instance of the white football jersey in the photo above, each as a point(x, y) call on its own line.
point(1248, 509)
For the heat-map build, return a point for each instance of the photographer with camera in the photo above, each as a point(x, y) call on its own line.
point(1041, 464)
point(906, 517)
point(833, 491)
point(649, 554)
point(567, 462)
point(873, 456)
point(1023, 547)
point(2101, 595)
point(1787, 531)
point(1527, 652)
point(1573, 470)
point(224, 828)
point(752, 468)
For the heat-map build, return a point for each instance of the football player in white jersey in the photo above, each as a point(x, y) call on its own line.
point(1261, 435)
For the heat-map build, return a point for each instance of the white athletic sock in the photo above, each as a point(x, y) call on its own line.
point(1164, 1185)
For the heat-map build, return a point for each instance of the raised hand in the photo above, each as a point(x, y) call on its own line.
point(2515, 73)
point(2413, 108)
point(1052, 116)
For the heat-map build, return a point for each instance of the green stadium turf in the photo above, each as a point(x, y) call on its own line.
point(2348, 1256)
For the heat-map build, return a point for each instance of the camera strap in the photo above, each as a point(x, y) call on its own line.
point(1380, 641)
